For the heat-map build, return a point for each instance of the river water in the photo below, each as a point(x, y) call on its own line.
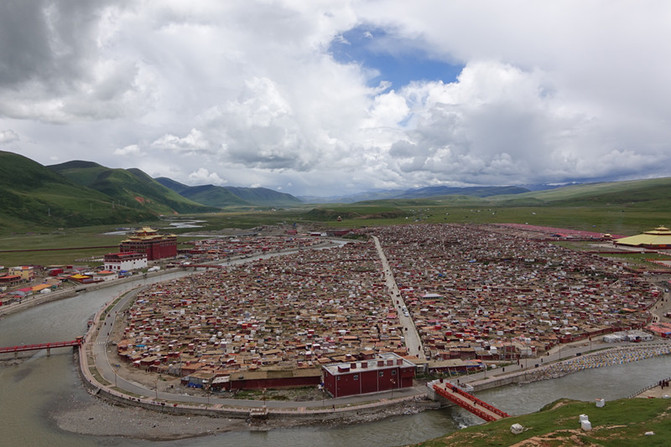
point(33, 388)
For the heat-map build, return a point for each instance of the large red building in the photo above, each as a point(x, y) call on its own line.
point(147, 240)
point(385, 372)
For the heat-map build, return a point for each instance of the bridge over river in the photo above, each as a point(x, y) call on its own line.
point(466, 400)
point(37, 347)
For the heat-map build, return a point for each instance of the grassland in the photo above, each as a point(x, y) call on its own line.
point(623, 208)
point(624, 220)
point(619, 423)
point(68, 245)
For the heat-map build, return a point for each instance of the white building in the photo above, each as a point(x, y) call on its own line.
point(117, 262)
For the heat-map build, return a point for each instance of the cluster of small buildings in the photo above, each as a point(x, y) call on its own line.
point(480, 292)
point(23, 281)
point(27, 280)
point(15, 284)
point(207, 250)
point(17, 275)
point(281, 317)
point(325, 315)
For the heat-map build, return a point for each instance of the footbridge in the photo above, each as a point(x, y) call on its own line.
point(467, 401)
point(48, 346)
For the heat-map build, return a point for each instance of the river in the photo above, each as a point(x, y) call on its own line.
point(29, 391)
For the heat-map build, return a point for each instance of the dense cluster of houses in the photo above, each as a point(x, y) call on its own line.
point(482, 292)
point(322, 313)
point(206, 250)
point(294, 312)
point(474, 292)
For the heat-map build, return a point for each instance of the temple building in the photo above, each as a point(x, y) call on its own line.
point(147, 240)
point(660, 237)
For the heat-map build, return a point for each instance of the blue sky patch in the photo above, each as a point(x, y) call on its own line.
point(397, 60)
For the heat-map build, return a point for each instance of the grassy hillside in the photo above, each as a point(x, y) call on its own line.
point(213, 196)
point(231, 196)
point(619, 423)
point(131, 188)
point(31, 194)
point(481, 191)
point(355, 212)
point(264, 196)
point(611, 193)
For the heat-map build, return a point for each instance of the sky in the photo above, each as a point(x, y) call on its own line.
point(326, 98)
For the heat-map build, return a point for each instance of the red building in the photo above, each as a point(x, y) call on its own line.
point(147, 240)
point(256, 380)
point(384, 372)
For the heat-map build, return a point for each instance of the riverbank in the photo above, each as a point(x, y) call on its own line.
point(73, 290)
point(101, 418)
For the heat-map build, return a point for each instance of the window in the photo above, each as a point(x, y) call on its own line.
point(393, 372)
point(356, 377)
point(381, 373)
point(338, 377)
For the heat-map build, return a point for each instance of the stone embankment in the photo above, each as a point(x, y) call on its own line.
point(368, 408)
point(609, 357)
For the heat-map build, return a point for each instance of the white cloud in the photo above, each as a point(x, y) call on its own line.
point(132, 149)
point(202, 176)
point(193, 143)
point(246, 91)
point(8, 136)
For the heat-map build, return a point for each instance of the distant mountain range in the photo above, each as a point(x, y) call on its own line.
point(81, 193)
point(224, 196)
point(423, 193)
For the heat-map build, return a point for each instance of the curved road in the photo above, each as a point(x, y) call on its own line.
point(101, 342)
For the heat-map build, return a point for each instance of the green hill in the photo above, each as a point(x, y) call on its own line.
point(206, 194)
point(474, 191)
point(264, 196)
point(619, 423)
point(129, 187)
point(32, 193)
point(609, 193)
point(227, 196)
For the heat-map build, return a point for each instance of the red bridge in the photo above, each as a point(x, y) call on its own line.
point(468, 402)
point(37, 347)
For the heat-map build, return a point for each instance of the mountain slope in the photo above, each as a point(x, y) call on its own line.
point(419, 193)
point(206, 194)
point(223, 196)
point(624, 192)
point(473, 191)
point(32, 193)
point(264, 196)
point(129, 187)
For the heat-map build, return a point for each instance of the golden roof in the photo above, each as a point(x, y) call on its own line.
point(659, 236)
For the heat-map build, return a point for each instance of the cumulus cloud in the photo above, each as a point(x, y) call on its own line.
point(202, 176)
point(192, 143)
point(132, 149)
point(8, 136)
point(246, 92)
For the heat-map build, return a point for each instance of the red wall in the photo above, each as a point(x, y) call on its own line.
point(368, 381)
point(154, 249)
point(288, 382)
